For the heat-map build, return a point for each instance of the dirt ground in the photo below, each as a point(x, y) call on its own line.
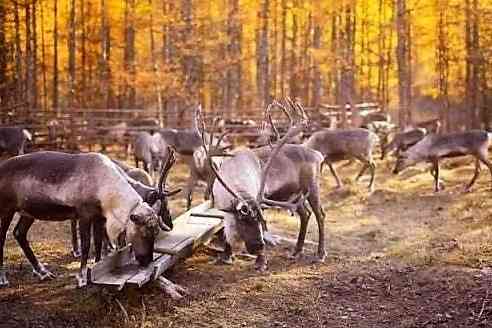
point(402, 256)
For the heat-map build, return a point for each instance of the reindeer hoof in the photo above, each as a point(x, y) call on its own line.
point(261, 264)
point(320, 258)
point(296, 256)
point(81, 281)
point(82, 278)
point(3, 279)
point(224, 260)
point(270, 239)
point(43, 274)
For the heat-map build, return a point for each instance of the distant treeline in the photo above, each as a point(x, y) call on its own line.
point(235, 55)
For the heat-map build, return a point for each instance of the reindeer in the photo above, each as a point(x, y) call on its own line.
point(55, 186)
point(142, 183)
point(402, 141)
point(431, 126)
point(200, 169)
point(433, 147)
point(280, 176)
point(135, 173)
point(13, 140)
point(337, 145)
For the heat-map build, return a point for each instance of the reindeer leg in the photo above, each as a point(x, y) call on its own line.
point(362, 171)
point(483, 158)
point(475, 175)
point(335, 175)
point(85, 242)
point(75, 239)
point(20, 233)
point(489, 165)
point(261, 263)
point(189, 189)
point(372, 168)
point(304, 216)
point(435, 169)
point(315, 202)
point(98, 230)
point(226, 257)
point(5, 221)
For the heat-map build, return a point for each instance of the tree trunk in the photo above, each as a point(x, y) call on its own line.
point(443, 64)
point(283, 48)
point(55, 57)
point(83, 55)
point(43, 60)
point(293, 54)
point(129, 53)
point(104, 68)
point(263, 69)
point(71, 56)
point(404, 117)
point(234, 30)
point(4, 81)
point(317, 82)
point(29, 79)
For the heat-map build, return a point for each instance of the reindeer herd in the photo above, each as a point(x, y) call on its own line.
point(113, 203)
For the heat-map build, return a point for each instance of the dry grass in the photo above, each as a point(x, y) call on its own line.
point(399, 247)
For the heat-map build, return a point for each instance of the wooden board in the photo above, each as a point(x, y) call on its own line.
point(191, 229)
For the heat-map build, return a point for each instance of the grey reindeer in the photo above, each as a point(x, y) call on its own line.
point(402, 141)
point(151, 150)
point(337, 145)
point(200, 169)
point(434, 147)
point(142, 184)
point(53, 186)
point(278, 175)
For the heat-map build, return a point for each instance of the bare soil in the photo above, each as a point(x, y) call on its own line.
point(402, 256)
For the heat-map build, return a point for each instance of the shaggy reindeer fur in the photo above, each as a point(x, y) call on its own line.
point(57, 186)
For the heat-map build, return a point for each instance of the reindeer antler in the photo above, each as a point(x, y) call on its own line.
point(201, 126)
point(292, 132)
point(171, 159)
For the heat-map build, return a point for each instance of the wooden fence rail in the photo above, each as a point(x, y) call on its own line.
point(67, 128)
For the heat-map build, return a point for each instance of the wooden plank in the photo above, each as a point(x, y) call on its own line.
point(144, 275)
point(168, 243)
point(118, 259)
point(191, 230)
point(186, 250)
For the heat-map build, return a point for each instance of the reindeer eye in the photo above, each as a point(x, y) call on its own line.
point(245, 210)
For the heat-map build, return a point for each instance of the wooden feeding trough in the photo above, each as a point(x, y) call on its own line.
point(191, 229)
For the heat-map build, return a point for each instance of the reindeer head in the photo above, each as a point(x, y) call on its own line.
point(405, 160)
point(143, 229)
point(247, 207)
point(158, 198)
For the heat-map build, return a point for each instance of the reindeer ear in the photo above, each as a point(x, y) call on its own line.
point(157, 206)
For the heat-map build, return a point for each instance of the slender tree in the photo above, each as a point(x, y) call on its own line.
point(404, 88)
point(55, 56)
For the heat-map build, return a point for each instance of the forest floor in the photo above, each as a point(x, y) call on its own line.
point(402, 256)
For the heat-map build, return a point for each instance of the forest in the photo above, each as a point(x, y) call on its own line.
point(416, 58)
